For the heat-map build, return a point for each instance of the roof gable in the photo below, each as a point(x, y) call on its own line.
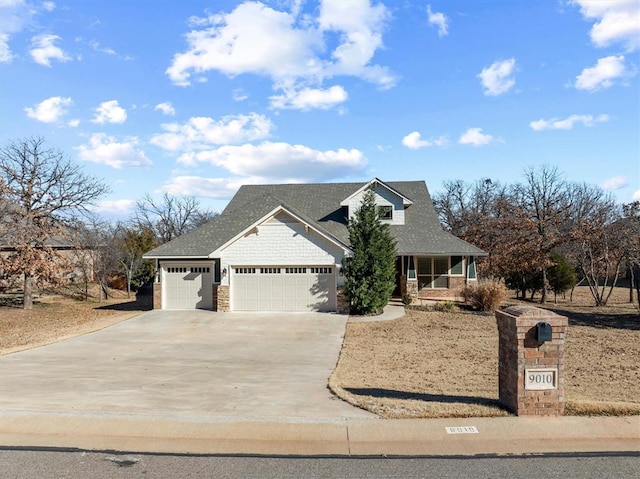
point(372, 184)
point(276, 212)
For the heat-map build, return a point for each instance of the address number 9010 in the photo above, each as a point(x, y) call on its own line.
point(541, 379)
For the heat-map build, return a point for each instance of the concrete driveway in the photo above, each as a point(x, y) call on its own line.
point(192, 365)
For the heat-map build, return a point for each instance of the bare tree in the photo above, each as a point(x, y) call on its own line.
point(129, 246)
point(95, 240)
point(521, 225)
point(545, 198)
point(45, 191)
point(170, 217)
point(630, 237)
point(484, 214)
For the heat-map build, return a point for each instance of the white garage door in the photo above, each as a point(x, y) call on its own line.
point(284, 288)
point(188, 287)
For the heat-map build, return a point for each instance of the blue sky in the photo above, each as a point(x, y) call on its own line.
point(200, 97)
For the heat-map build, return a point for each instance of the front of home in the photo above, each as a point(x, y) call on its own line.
point(280, 248)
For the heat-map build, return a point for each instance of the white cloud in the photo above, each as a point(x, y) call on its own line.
point(240, 95)
point(615, 183)
point(43, 49)
point(636, 195)
point(281, 161)
point(202, 132)
point(475, 137)
point(99, 48)
point(253, 38)
point(74, 123)
point(122, 207)
point(617, 21)
point(360, 26)
point(498, 78)
point(110, 112)
point(603, 74)
point(219, 188)
point(439, 20)
point(166, 108)
point(14, 15)
point(106, 150)
point(289, 48)
point(49, 110)
point(567, 123)
point(414, 141)
point(309, 98)
point(5, 52)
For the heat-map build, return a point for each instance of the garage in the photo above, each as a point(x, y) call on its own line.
point(187, 287)
point(283, 288)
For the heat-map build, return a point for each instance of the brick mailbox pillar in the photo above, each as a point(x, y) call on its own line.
point(531, 360)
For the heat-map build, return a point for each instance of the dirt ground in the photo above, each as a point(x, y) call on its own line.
point(56, 317)
point(439, 364)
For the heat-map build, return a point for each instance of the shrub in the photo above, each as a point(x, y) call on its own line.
point(445, 306)
point(485, 295)
point(407, 299)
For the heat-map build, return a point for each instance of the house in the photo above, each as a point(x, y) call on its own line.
point(74, 261)
point(280, 248)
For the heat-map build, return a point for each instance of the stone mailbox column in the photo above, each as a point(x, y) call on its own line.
point(531, 373)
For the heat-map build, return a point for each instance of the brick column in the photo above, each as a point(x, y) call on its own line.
point(342, 305)
point(157, 295)
point(222, 298)
point(531, 373)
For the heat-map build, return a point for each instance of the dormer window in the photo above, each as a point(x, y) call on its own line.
point(385, 212)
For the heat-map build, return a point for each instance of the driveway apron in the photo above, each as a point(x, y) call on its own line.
point(186, 364)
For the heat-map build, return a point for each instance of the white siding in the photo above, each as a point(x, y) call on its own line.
point(282, 241)
point(277, 242)
point(384, 197)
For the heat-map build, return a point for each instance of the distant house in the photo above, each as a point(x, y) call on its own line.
point(280, 248)
point(77, 262)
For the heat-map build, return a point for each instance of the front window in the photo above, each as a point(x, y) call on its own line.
point(471, 272)
point(385, 212)
point(410, 268)
point(433, 272)
point(456, 266)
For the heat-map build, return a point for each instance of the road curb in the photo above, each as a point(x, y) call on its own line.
point(349, 437)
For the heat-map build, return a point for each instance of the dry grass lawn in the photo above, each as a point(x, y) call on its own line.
point(438, 364)
point(60, 316)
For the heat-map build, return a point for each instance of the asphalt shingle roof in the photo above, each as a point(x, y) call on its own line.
point(319, 204)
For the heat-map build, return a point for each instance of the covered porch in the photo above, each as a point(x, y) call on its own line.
point(437, 277)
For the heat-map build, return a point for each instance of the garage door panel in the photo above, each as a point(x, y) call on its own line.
point(188, 287)
point(286, 288)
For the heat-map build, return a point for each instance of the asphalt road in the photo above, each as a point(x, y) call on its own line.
point(19, 464)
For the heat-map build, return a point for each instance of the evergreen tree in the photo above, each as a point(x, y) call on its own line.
point(561, 275)
point(370, 272)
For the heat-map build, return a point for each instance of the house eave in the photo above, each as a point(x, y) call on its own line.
point(440, 253)
point(175, 257)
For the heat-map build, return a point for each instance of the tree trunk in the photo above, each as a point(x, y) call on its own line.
point(637, 281)
point(545, 284)
point(631, 283)
point(27, 300)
